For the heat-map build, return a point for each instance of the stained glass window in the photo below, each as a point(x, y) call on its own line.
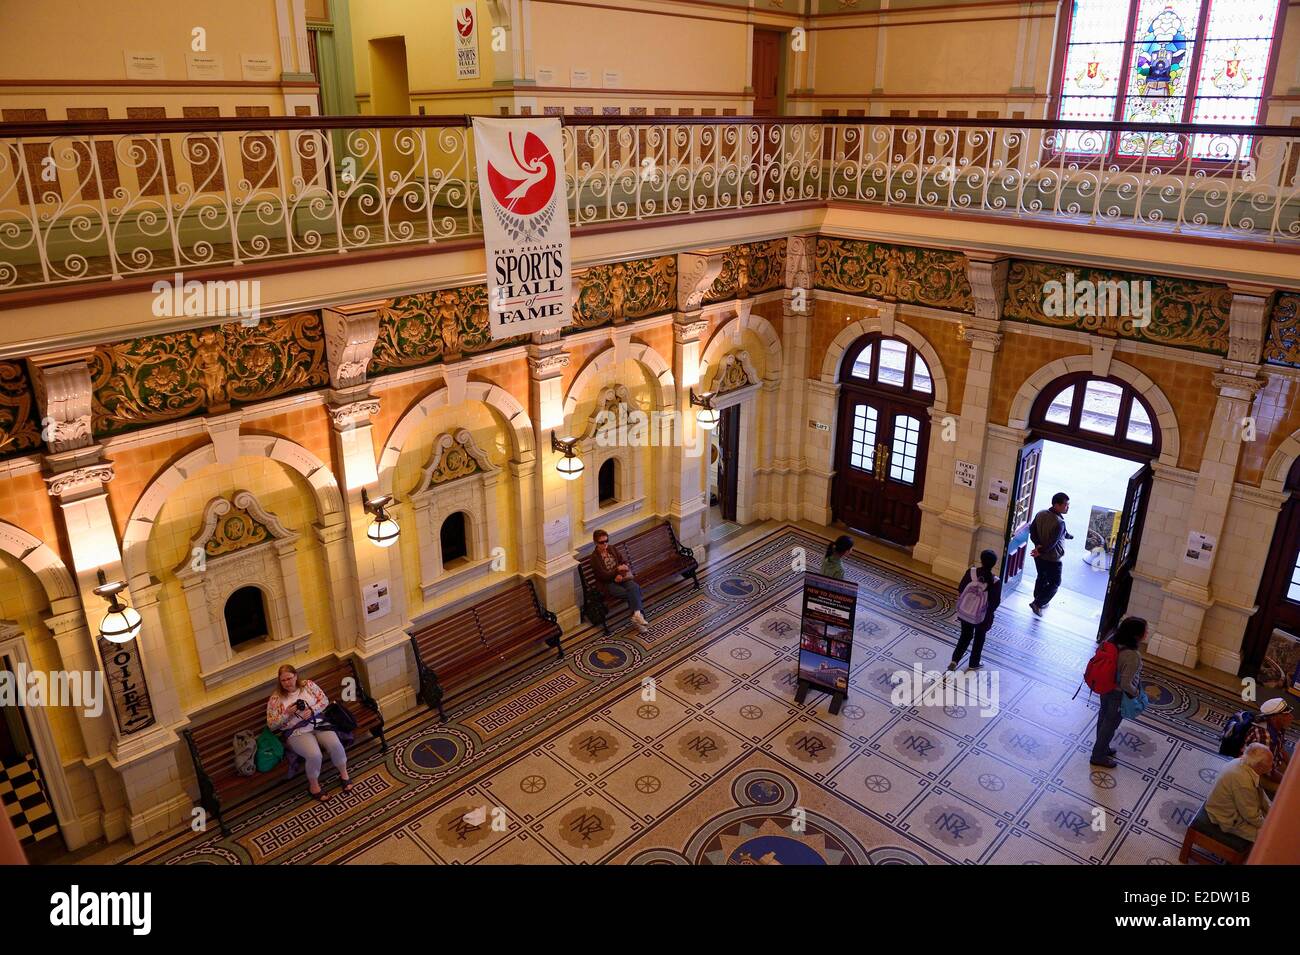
point(1166, 61)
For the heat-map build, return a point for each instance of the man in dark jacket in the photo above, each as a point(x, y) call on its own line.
point(614, 576)
point(1047, 531)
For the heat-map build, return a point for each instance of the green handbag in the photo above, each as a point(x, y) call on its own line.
point(269, 751)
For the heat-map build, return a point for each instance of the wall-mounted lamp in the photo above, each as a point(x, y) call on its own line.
point(707, 416)
point(121, 623)
point(569, 466)
point(383, 530)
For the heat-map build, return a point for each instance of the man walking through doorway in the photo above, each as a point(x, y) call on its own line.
point(1047, 531)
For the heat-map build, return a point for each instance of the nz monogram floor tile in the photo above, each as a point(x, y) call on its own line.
point(1119, 789)
point(701, 747)
point(998, 786)
point(781, 679)
point(1192, 769)
point(465, 827)
point(530, 786)
point(1146, 848)
point(1073, 824)
point(751, 713)
point(586, 827)
point(861, 717)
point(878, 677)
point(872, 631)
point(1028, 746)
point(952, 826)
point(1168, 811)
point(740, 654)
point(647, 785)
point(593, 747)
point(811, 745)
point(777, 627)
point(696, 682)
point(1140, 746)
point(647, 715)
point(927, 750)
point(883, 787)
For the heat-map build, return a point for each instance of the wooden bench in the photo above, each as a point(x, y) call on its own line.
point(467, 644)
point(1203, 833)
point(211, 741)
point(654, 555)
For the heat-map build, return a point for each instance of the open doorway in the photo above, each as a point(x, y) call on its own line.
point(24, 789)
point(724, 473)
point(1093, 440)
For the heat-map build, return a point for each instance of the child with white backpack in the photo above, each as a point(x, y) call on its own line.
point(978, 596)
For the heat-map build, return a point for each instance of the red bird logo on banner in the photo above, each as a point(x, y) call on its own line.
point(465, 22)
point(532, 183)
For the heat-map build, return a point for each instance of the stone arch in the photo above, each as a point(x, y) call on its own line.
point(872, 325)
point(1280, 464)
point(319, 478)
point(594, 371)
point(518, 424)
point(41, 560)
point(1166, 420)
point(728, 336)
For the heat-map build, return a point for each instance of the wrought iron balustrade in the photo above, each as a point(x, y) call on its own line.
point(88, 201)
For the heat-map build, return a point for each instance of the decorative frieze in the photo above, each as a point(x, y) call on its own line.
point(20, 428)
point(892, 273)
point(1283, 346)
point(612, 294)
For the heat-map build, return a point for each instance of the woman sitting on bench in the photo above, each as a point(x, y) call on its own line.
point(292, 708)
point(614, 576)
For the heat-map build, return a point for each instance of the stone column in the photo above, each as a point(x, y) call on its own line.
point(1187, 596)
point(141, 698)
point(380, 641)
point(696, 273)
point(554, 562)
point(951, 544)
point(797, 306)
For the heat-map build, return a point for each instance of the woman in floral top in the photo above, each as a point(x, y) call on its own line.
point(290, 710)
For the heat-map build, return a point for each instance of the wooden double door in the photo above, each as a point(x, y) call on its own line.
point(880, 464)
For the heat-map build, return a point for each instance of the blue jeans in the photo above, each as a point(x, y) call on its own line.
point(630, 591)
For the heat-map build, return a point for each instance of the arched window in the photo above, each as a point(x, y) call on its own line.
point(246, 617)
point(452, 537)
point(607, 483)
point(1102, 412)
point(889, 364)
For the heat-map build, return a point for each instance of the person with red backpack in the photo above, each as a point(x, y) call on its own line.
point(1113, 673)
point(978, 595)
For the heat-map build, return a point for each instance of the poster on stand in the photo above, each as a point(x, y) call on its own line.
point(826, 635)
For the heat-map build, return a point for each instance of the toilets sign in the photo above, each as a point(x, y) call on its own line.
point(525, 224)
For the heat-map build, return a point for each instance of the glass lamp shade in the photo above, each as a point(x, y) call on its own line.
point(120, 624)
point(569, 468)
point(706, 418)
point(383, 531)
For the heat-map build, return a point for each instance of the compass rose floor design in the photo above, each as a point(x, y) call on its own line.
point(683, 745)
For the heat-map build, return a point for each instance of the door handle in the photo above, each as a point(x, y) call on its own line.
point(882, 460)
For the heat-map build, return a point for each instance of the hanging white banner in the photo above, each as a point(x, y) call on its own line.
point(465, 16)
point(525, 224)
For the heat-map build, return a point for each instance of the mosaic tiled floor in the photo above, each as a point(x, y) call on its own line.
point(582, 761)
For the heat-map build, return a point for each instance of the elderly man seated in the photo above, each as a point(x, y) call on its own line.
point(1237, 803)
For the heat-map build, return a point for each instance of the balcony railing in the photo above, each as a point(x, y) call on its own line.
point(87, 201)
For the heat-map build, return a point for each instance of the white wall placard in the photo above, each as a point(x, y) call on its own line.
point(143, 65)
point(998, 490)
point(378, 601)
point(257, 67)
point(204, 66)
point(545, 77)
point(579, 78)
point(465, 18)
point(1200, 548)
point(612, 79)
point(964, 474)
point(557, 530)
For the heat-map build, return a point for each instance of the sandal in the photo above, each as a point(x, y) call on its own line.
point(346, 786)
point(320, 795)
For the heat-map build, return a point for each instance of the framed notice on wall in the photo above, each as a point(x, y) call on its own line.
point(826, 637)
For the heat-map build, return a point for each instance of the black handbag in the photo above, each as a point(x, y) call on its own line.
point(338, 718)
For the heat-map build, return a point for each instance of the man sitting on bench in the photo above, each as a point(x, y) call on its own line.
point(614, 576)
point(1237, 803)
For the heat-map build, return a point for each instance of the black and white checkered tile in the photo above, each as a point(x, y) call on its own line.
point(25, 802)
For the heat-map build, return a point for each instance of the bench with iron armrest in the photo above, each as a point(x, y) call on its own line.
point(211, 741)
point(464, 646)
point(654, 555)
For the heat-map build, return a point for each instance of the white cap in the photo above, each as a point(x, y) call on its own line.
point(1274, 706)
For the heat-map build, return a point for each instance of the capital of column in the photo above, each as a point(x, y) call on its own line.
point(346, 415)
point(1240, 386)
point(984, 339)
point(546, 364)
point(688, 328)
point(61, 381)
point(350, 335)
point(78, 473)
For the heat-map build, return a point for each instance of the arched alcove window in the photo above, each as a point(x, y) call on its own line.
point(453, 539)
point(246, 617)
point(1105, 413)
point(607, 483)
point(889, 364)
